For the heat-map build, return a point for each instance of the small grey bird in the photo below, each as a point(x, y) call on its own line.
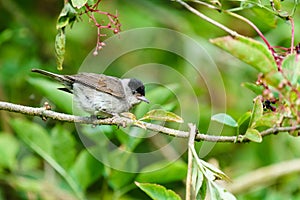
point(101, 95)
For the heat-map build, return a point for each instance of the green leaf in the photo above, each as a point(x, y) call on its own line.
point(163, 172)
point(223, 193)
point(33, 135)
point(60, 48)
point(216, 172)
point(257, 89)
point(91, 2)
point(291, 68)
point(253, 135)
point(119, 179)
point(66, 17)
point(9, 148)
point(268, 120)
point(162, 115)
point(257, 110)
point(274, 78)
point(63, 141)
point(86, 170)
point(277, 5)
point(265, 17)
point(198, 182)
point(244, 118)
point(223, 118)
point(78, 3)
point(248, 50)
point(214, 193)
point(158, 192)
point(203, 190)
point(159, 95)
point(243, 122)
point(38, 140)
point(61, 99)
point(123, 163)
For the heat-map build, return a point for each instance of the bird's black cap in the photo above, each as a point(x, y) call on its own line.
point(136, 86)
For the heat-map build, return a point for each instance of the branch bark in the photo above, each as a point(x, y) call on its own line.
point(44, 113)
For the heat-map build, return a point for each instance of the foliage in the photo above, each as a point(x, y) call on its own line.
point(48, 160)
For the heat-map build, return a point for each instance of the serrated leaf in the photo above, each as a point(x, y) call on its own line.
point(78, 3)
point(257, 89)
point(223, 118)
point(162, 115)
point(158, 192)
point(253, 135)
point(257, 110)
point(248, 50)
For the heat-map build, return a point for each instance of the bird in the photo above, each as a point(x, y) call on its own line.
point(101, 95)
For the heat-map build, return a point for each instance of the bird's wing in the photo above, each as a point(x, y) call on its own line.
point(100, 82)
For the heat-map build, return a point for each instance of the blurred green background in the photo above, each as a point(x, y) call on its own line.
point(27, 34)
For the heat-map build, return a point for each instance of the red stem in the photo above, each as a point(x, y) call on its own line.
point(293, 34)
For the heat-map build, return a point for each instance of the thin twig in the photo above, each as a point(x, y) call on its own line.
point(199, 14)
point(44, 113)
point(263, 176)
point(192, 135)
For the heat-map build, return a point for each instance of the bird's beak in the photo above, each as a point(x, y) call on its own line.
point(142, 98)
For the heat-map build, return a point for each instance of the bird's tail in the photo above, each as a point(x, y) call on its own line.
point(60, 78)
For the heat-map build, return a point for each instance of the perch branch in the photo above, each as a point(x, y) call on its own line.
point(44, 113)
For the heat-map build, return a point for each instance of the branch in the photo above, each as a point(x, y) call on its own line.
point(44, 113)
point(263, 176)
point(188, 193)
point(199, 14)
